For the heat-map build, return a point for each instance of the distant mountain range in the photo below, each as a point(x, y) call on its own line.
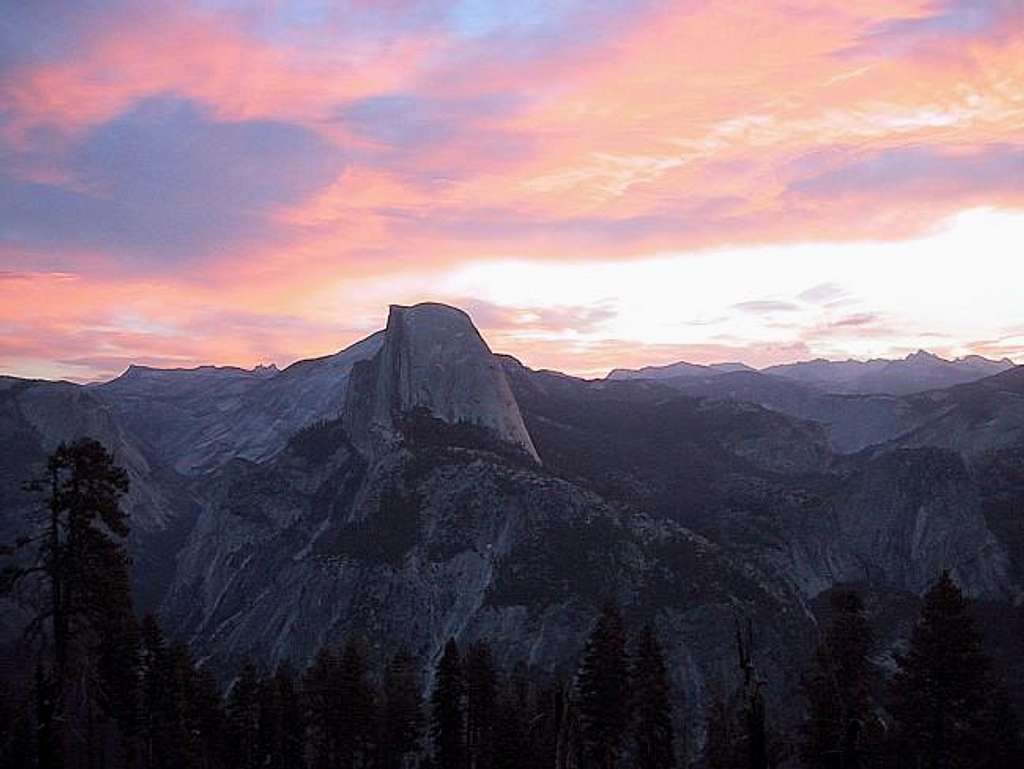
point(415, 487)
point(916, 373)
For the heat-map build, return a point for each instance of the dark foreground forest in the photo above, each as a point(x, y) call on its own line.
point(93, 686)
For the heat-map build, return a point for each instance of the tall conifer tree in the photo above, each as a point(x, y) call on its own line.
point(653, 731)
point(402, 726)
point(243, 718)
point(164, 728)
point(321, 692)
point(602, 691)
point(837, 688)
point(448, 710)
point(722, 749)
point(208, 720)
point(942, 687)
point(511, 742)
point(481, 702)
point(76, 547)
point(358, 700)
point(290, 729)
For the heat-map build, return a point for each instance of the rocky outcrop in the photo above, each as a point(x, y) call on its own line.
point(910, 513)
point(432, 359)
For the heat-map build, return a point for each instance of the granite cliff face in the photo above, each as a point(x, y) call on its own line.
point(434, 359)
point(925, 515)
point(415, 487)
point(35, 416)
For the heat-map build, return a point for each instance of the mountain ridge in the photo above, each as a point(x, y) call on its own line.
point(916, 372)
point(387, 491)
point(971, 362)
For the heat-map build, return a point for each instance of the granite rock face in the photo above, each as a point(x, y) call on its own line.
point(36, 416)
point(197, 419)
point(907, 514)
point(434, 359)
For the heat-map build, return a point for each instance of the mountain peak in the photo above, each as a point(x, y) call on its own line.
point(729, 367)
point(922, 356)
point(428, 310)
point(433, 358)
point(429, 321)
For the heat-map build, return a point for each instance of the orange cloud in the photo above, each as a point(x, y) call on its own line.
point(209, 57)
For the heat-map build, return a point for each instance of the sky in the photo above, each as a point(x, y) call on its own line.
point(599, 183)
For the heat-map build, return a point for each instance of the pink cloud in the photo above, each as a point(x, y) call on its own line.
point(618, 135)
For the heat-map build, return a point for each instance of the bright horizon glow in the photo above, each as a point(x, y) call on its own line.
point(600, 184)
point(695, 300)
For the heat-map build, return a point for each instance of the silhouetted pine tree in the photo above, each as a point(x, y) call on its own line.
point(280, 734)
point(1000, 740)
point(722, 748)
point(653, 732)
point(753, 733)
point(49, 746)
point(269, 730)
point(448, 713)
point(942, 687)
point(289, 744)
point(76, 549)
point(511, 743)
point(402, 726)
point(118, 668)
point(602, 691)
point(756, 730)
point(207, 720)
point(17, 727)
point(837, 689)
point(321, 693)
point(358, 700)
point(552, 721)
point(166, 739)
point(481, 701)
point(527, 721)
point(243, 718)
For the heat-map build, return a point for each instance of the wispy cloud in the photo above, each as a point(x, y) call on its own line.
point(855, 321)
point(766, 306)
point(822, 293)
point(559, 320)
point(942, 22)
point(991, 171)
